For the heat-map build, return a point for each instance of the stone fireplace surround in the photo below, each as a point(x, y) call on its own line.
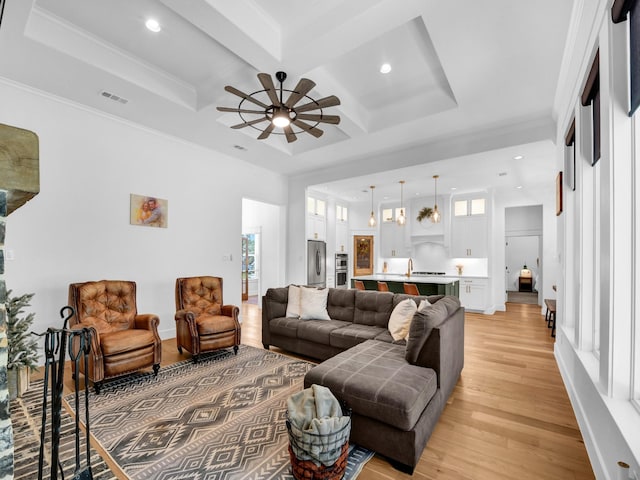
point(19, 182)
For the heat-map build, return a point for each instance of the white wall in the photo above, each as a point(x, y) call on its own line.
point(78, 229)
point(597, 238)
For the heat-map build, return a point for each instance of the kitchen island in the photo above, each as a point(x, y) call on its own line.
point(427, 284)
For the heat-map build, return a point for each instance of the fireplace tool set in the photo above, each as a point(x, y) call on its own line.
point(59, 342)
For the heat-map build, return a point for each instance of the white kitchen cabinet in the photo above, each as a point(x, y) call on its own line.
point(469, 227)
point(473, 293)
point(342, 237)
point(316, 227)
point(394, 241)
point(316, 219)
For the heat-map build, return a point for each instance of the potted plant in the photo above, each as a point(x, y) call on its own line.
point(23, 347)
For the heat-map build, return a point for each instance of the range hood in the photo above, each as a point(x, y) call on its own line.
point(418, 239)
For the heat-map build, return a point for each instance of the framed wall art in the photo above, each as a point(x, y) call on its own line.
point(363, 255)
point(148, 211)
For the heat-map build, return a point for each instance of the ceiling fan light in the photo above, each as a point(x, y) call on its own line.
point(281, 119)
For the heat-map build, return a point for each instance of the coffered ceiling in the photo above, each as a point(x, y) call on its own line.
point(467, 77)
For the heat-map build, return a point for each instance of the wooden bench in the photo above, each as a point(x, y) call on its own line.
point(550, 316)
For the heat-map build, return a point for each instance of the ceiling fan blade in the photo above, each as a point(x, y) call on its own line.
point(248, 124)
point(288, 131)
point(267, 83)
point(325, 102)
point(240, 110)
point(316, 132)
point(249, 98)
point(304, 86)
point(332, 119)
point(266, 132)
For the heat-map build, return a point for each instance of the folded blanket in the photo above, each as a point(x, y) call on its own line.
point(318, 428)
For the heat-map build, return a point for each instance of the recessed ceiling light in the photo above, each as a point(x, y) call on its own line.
point(518, 157)
point(240, 147)
point(454, 188)
point(385, 68)
point(519, 187)
point(153, 25)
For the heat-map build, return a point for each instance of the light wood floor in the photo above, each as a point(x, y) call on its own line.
point(509, 416)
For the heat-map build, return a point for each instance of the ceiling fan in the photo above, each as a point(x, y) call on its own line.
point(282, 113)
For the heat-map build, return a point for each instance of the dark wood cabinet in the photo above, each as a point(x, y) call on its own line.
point(525, 284)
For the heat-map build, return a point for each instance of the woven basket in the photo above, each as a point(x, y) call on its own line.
point(331, 442)
point(307, 470)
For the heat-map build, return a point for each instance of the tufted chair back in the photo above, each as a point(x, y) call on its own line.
point(107, 305)
point(200, 295)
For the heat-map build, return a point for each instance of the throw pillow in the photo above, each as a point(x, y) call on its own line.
point(420, 328)
point(400, 319)
point(313, 303)
point(423, 303)
point(293, 304)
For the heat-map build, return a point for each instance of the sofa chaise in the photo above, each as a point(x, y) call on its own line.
point(396, 389)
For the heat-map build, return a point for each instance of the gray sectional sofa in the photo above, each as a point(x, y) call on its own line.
point(396, 389)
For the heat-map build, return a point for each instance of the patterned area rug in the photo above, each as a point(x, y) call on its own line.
point(223, 418)
point(26, 420)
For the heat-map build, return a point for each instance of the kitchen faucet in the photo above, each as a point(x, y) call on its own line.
point(409, 267)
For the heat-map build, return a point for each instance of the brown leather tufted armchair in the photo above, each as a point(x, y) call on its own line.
point(203, 322)
point(122, 341)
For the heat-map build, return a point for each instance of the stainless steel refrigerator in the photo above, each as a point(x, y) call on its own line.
point(316, 263)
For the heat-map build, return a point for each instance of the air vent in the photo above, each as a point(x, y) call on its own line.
point(240, 147)
point(114, 97)
point(502, 174)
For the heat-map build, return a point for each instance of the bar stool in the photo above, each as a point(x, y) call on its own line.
point(411, 289)
point(359, 284)
point(383, 287)
point(550, 316)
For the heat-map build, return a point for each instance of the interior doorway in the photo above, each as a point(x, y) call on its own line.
point(523, 254)
point(264, 226)
point(250, 267)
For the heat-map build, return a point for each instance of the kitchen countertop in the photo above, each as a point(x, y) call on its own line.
point(398, 277)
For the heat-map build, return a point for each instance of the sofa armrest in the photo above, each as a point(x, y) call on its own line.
point(274, 305)
point(450, 351)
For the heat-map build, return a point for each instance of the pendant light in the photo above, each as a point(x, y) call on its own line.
point(372, 218)
point(402, 219)
point(435, 216)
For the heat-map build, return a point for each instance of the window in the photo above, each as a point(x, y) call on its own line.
point(570, 157)
point(387, 214)
point(341, 213)
point(477, 206)
point(315, 206)
point(460, 208)
point(591, 97)
point(619, 13)
point(463, 208)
